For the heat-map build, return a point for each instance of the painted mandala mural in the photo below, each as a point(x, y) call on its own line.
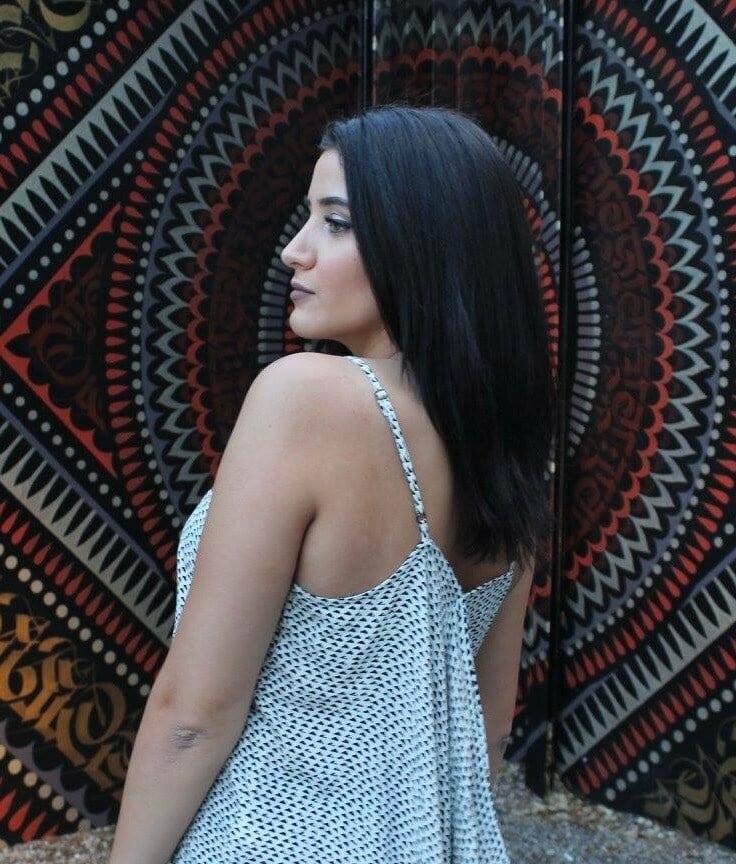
point(152, 168)
point(153, 162)
point(501, 65)
point(643, 718)
point(647, 717)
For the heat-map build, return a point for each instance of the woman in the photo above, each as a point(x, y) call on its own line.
point(334, 691)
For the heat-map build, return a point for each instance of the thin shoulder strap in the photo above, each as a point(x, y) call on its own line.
point(387, 409)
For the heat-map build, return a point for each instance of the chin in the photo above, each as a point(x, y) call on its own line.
point(305, 328)
point(303, 332)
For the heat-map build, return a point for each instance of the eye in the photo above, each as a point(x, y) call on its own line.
point(337, 226)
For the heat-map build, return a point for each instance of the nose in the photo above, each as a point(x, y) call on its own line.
point(296, 253)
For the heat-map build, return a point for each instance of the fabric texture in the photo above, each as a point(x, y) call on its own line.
point(365, 741)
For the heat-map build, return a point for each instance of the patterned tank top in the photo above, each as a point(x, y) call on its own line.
point(365, 741)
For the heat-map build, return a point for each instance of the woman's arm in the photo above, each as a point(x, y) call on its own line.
point(497, 665)
point(496, 752)
point(172, 766)
point(264, 498)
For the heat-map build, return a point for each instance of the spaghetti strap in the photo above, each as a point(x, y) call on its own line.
point(397, 659)
point(387, 409)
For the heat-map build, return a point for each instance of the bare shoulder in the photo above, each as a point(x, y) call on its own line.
point(293, 416)
point(319, 372)
point(318, 388)
point(299, 366)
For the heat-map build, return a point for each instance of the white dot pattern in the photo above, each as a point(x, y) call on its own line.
point(365, 740)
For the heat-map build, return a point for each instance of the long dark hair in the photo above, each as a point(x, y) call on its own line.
point(440, 224)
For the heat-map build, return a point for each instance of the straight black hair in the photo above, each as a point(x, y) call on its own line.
point(440, 225)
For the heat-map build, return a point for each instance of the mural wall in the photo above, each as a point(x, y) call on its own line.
point(153, 162)
point(648, 621)
point(640, 691)
point(501, 64)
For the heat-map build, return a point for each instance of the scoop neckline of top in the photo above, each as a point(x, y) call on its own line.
point(425, 541)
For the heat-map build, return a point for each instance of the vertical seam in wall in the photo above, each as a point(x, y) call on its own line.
point(565, 294)
point(367, 93)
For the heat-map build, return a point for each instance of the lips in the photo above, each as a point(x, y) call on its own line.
point(298, 295)
point(297, 286)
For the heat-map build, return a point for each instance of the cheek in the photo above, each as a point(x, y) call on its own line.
point(345, 259)
point(346, 281)
point(341, 269)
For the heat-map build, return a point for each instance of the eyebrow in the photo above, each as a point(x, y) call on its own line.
point(331, 199)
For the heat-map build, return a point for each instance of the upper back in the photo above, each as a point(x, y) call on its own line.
point(366, 524)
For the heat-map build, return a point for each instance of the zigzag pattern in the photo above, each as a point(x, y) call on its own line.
point(647, 615)
point(100, 545)
point(77, 161)
point(587, 355)
point(184, 215)
point(514, 25)
point(710, 52)
point(592, 603)
point(707, 616)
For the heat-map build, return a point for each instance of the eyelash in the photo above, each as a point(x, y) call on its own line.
point(343, 226)
point(336, 224)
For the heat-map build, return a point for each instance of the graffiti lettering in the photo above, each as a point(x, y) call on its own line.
point(45, 683)
point(66, 23)
point(24, 28)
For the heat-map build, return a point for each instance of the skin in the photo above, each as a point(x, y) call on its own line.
point(325, 258)
point(312, 407)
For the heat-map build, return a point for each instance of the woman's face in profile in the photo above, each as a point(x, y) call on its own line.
point(325, 259)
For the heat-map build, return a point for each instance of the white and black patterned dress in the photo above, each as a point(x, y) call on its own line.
point(365, 741)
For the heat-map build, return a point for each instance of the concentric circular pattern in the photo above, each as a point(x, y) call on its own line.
point(650, 452)
point(152, 272)
point(650, 595)
point(499, 65)
point(142, 291)
point(201, 226)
